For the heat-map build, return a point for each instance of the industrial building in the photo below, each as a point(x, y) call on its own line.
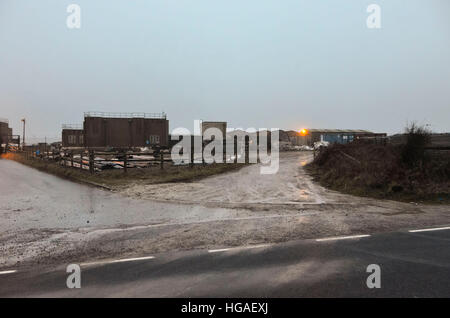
point(6, 133)
point(118, 130)
point(307, 137)
point(72, 136)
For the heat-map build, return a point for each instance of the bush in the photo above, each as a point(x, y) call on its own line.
point(379, 171)
point(417, 138)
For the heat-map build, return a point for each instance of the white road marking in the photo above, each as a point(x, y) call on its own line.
point(133, 259)
point(429, 230)
point(118, 261)
point(219, 250)
point(238, 248)
point(341, 238)
point(8, 272)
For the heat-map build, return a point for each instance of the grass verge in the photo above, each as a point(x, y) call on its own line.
point(378, 171)
point(115, 178)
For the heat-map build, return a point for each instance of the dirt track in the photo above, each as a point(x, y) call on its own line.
point(49, 220)
point(248, 186)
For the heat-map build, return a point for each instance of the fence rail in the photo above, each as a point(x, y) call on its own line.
point(98, 161)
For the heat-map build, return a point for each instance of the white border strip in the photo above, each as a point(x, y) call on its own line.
point(118, 261)
point(8, 272)
point(219, 250)
point(238, 248)
point(429, 230)
point(341, 238)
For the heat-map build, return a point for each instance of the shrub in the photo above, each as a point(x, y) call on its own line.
point(378, 171)
point(417, 138)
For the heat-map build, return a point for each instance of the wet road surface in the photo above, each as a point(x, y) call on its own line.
point(412, 265)
point(48, 220)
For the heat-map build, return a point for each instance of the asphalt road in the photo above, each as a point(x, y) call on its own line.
point(412, 265)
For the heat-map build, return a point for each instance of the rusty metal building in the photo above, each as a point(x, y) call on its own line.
point(5, 131)
point(125, 130)
point(72, 136)
point(341, 136)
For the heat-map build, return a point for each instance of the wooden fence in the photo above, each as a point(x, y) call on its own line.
point(95, 161)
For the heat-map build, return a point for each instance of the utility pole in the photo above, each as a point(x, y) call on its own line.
point(23, 137)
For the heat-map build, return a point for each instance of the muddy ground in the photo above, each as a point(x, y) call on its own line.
point(47, 220)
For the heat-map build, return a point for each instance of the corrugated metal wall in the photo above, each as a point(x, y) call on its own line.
point(125, 132)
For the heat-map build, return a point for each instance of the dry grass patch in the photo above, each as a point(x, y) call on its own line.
point(116, 178)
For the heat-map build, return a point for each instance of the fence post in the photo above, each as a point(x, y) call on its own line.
point(247, 149)
point(191, 164)
point(257, 148)
point(91, 161)
point(81, 159)
point(235, 141)
point(125, 163)
point(71, 159)
point(224, 149)
point(162, 160)
point(203, 155)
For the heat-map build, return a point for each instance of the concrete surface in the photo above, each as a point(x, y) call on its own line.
point(412, 265)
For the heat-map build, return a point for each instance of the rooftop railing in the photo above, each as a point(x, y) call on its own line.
point(125, 115)
point(72, 126)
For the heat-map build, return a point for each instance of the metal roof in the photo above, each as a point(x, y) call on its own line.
point(337, 131)
point(125, 115)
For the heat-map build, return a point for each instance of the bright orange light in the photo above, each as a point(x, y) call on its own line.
point(303, 132)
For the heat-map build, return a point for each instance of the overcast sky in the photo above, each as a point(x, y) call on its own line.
point(253, 63)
